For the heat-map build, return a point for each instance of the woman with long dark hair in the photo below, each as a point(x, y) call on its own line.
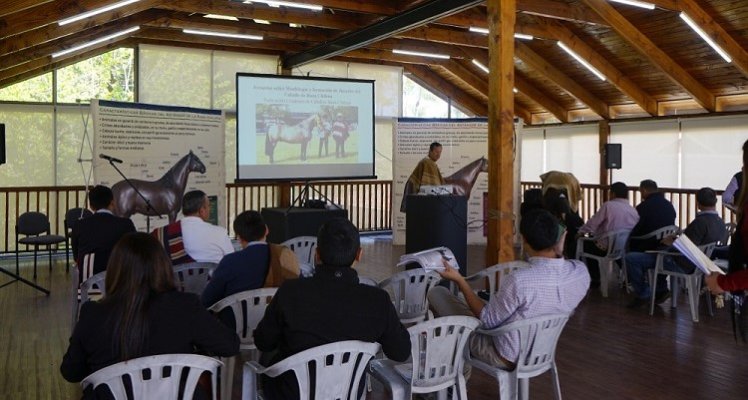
point(142, 314)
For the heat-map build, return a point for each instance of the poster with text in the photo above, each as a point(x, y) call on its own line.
point(463, 163)
point(165, 152)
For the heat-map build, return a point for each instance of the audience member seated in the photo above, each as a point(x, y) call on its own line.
point(615, 214)
point(551, 285)
point(192, 238)
point(98, 233)
point(330, 306)
point(258, 264)
point(707, 227)
point(557, 203)
point(729, 196)
point(141, 315)
point(655, 212)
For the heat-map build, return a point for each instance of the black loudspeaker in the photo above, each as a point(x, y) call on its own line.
point(2, 144)
point(613, 156)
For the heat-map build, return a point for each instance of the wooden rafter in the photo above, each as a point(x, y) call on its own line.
point(14, 6)
point(538, 63)
point(653, 53)
point(178, 36)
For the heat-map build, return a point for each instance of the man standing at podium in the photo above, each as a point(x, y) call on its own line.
point(425, 173)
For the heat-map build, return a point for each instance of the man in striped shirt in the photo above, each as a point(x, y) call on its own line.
point(549, 285)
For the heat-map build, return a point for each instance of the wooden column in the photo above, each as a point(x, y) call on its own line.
point(501, 20)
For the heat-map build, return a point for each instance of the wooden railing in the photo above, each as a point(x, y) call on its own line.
point(368, 203)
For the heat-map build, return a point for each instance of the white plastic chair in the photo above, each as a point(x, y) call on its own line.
point(616, 241)
point(657, 234)
point(248, 308)
point(338, 369)
point(490, 274)
point(91, 288)
point(408, 291)
point(159, 382)
point(303, 247)
point(364, 280)
point(437, 348)
point(537, 338)
point(693, 280)
point(193, 277)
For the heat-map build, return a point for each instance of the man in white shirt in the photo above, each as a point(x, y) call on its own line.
point(204, 242)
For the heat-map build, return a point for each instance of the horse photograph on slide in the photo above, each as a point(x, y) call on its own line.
point(164, 194)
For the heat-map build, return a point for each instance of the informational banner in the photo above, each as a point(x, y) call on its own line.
point(463, 163)
point(165, 152)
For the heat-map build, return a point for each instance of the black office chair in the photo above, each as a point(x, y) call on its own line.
point(71, 217)
point(35, 227)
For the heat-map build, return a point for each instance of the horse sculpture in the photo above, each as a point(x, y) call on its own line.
point(462, 180)
point(300, 133)
point(165, 194)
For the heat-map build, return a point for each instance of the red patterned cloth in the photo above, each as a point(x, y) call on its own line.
point(170, 237)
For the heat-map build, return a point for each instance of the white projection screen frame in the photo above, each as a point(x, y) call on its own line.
point(303, 128)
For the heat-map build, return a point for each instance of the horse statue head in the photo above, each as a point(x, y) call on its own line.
point(464, 178)
point(194, 163)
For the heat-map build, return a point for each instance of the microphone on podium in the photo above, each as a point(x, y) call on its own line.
point(110, 158)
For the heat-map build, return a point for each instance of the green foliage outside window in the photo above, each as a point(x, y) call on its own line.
point(34, 90)
point(109, 76)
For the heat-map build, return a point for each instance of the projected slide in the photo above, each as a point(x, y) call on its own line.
point(298, 128)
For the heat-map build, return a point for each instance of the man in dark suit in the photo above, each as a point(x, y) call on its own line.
point(655, 212)
point(98, 233)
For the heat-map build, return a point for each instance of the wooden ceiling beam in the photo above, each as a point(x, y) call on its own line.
point(418, 46)
point(172, 35)
point(653, 53)
point(286, 16)
point(53, 31)
point(477, 16)
point(717, 33)
point(381, 7)
point(14, 6)
point(434, 33)
point(535, 61)
point(612, 74)
point(425, 77)
point(477, 82)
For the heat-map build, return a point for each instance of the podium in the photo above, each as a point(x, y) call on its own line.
point(286, 223)
point(433, 221)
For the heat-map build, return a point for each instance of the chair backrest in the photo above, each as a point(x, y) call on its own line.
point(338, 369)
point(93, 285)
point(74, 214)
point(537, 338)
point(367, 281)
point(248, 308)
point(617, 241)
point(303, 247)
point(729, 231)
point(32, 223)
point(156, 377)
point(193, 277)
point(436, 348)
point(708, 248)
point(659, 234)
point(408, 291)
point(494, 274)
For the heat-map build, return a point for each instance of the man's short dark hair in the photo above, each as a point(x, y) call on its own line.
point(540, 229)
point(434, 145)
point(192, 201)
point(648, 184)
point(100, 197)
point(338, 243)
point(249, 226)
point(620, 190)
point(707, 197)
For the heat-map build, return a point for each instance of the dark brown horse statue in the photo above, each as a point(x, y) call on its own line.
point(300, 133)
point(464, 178)
point(164, 194)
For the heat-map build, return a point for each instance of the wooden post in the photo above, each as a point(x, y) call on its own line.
point(501, 20)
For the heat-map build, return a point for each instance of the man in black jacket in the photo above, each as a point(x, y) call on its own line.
point(329, 307)
point(655, 212)
point(98, 233)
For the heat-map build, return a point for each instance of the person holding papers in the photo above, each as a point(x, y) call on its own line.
point(706, 228)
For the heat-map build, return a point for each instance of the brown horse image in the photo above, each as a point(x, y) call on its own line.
point(300, 133)
point(164, 194)
point(462, 180)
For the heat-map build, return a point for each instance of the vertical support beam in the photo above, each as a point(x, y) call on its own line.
point(603, 136)
point(501, 21)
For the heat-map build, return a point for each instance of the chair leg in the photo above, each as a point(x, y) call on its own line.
point(709, 306)
point(227, 380)
point(524, 389)
point(674, 289)
point(49, 254)
point(556, 382)
point(35, 250)
point(604, 267)
point(67, 257)
point(17, 260)
point(694, 286)
point(507, 386)
point(652, 283)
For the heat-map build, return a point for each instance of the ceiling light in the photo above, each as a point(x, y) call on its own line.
point(95, 42)
point(582, 61)
point(288, 4)
point(222, 34)
point(95, 12)
point(418, 53)
point(479, 65)
point(635, 3)
point(516, 35)
point(292, 25)
point(515, 90)
point(706, 37)
point(217, 16)
point(262, 21)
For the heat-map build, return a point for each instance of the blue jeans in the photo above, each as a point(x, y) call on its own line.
point(637, 265)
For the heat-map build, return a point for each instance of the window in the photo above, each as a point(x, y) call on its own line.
point(29, 141)
point(225, 67)
point(109, 76)
point(419, 102)
point(35, 90)
point(174, 76)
